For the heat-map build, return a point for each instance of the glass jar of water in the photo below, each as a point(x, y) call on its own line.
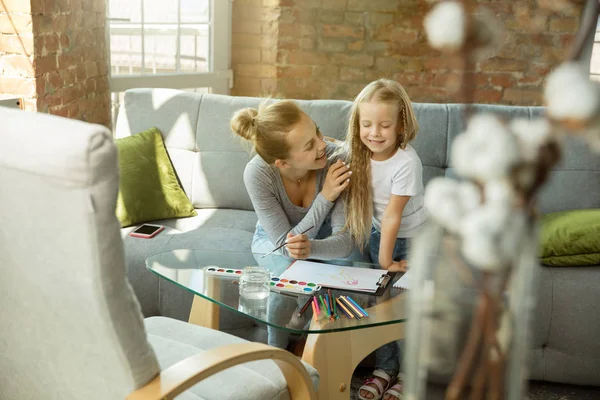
point(254, 283)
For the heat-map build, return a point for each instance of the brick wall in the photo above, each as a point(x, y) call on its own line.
point(254, 46)
point(331, 48)
point(53, 53)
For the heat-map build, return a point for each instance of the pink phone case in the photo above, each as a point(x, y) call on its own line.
point(146, 236)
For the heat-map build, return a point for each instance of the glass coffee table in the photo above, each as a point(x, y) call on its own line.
point(334, 348)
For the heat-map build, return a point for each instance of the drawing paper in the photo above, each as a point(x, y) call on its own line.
point(334, 276)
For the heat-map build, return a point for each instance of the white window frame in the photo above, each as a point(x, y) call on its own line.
point(220, 77)
point(591, 55)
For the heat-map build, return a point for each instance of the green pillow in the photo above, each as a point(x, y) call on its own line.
point(149, 188)
point(571, 238)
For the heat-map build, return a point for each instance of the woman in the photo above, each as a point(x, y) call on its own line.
point(293, 186)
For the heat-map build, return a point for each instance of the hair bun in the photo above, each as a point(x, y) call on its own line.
point(244, 123)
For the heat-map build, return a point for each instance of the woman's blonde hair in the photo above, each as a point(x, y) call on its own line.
point(267, 127)
point(359, 199)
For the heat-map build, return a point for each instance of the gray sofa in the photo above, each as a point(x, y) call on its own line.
point(210, 161)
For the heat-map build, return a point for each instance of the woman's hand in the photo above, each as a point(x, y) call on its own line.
point(333, 140)
point(298, 246)
point(398, 266)
point(337, 179)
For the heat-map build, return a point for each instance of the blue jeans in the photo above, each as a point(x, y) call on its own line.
point(388, 356)
point(400, 248)
point(282, 310)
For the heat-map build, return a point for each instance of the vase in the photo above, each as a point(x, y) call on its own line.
point(468, 331)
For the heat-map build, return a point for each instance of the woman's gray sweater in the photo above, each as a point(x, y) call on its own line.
point(279, 216)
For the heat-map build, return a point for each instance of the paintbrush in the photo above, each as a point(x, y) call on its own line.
point(284, 243)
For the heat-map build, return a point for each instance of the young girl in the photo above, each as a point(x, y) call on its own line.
point(385, 201)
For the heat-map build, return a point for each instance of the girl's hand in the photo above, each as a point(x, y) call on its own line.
point(298, 246)
point(398, 266)
point(337, 179)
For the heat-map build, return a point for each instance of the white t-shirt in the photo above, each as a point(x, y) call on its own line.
point(402, 175)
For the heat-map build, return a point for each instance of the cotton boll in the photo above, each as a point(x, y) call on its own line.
point(437, 191)
point(482, 253)
point(531, 135)
point(570, 95)
point(466, 145)
point(446, 26)
point(478, 241)
point(486, 150)
point(469, 195)
point(497, 215)
point(441, 202)
point(501, 154)
point(499, 191)
point(447, 201)
point(447, 215)
point(475, 224)
point(481, 232)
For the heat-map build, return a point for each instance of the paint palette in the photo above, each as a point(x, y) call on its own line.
point(293, 286)
point(224, 272)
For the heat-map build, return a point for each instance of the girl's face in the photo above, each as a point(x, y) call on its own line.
point(378, 124)
point(307, 147)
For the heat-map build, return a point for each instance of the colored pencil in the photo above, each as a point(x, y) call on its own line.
point(351, 308)
point(328, 304)
point(315, 313)
point(343, 308)
point(357, 306)
point(316, 303)
point(323, 305)
point(304, 307)
point(334, 305)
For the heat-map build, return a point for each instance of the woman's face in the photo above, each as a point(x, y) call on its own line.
point(307, 147)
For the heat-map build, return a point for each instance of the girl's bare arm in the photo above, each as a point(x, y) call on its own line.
point(392, 218)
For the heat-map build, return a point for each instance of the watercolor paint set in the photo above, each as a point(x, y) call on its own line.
point(275, 284)
point(293, 286)
point(224, 272)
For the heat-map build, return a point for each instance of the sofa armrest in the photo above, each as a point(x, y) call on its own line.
point(186, 373)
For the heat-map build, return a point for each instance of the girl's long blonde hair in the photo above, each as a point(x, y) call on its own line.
point(359, 199)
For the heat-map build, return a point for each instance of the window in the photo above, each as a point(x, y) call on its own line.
point(178, 44)
point(595, 57)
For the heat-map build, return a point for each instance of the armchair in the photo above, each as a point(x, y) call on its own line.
point(70, 325)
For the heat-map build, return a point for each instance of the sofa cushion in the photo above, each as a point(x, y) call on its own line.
point(217, 239)
point(214, 218)
point(148, 188)
point(174, 341)
point(571, 238)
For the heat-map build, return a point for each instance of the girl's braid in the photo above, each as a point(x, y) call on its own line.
point(403, 132)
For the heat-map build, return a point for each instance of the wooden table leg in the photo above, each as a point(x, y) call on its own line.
point(335, 355)
point(204, 312)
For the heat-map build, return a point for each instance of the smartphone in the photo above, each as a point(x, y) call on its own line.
point(147, 231)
